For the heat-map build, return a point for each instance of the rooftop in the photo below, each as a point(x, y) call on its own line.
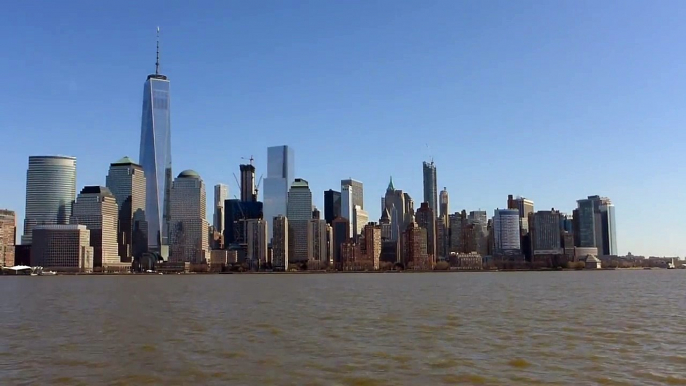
point(189, 174)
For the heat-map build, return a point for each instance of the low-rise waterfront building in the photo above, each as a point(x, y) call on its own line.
point(62, 248)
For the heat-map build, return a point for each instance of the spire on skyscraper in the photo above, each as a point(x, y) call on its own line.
point(390, 185)
point(157, 61)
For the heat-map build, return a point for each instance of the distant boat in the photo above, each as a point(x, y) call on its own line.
point(671, 265)
point(48, 273)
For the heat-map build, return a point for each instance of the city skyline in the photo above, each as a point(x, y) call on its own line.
point(627, 183)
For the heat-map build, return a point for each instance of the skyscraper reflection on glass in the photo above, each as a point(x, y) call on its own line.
point(280, 176)
point(155, 157)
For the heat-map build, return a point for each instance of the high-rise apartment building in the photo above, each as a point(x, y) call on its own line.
point(126, 181)
point(96, 208)
point(8, 235)
point(299, 214)
point(596, 224)
point(414, 247)
point(221, 194)
point(189, 236)
point(280, 243)
point(280, 176)
point(62, 248)
point(155, 156)
point(317, 246)
point(257, 250)
point(430, 185)
point(426, 219)
point(372, 241)
point(357, 190)
point(50, 192)
point(506, 229)
point(332, 205)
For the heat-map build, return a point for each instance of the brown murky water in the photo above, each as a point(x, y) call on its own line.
point(566, 328)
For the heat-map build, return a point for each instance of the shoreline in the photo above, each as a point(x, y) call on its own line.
point(322, 272)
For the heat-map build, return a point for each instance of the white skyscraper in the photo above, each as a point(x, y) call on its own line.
point(50, 192)
point(347, 207)
point(221, 194)
point(189, 236)
point(506, 231)
point(299, 213)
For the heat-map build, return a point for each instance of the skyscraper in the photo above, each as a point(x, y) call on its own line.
point(96, 208)
point(525, 207)
point(317, 247)
point(506, 231)
point(221, 194)
point(126, 181)
point(347, 207)
point(357, 189)
point(332, 205)
point(545, 225)
point(257, 242)
point(50, 192)
point(155, 156)
point(426, 219)
point(394, 202)
point(596, 224)
point(430, 185)
point(280, 169)
point(280, 243)
point(189, 236)
point(341, 235)
point(8, 234)
point(444, 210)
point(299, 214)
point(248, 192)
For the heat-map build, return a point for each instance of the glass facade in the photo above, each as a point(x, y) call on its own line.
point(430, 185)
point(155, 158)
point(280, 176)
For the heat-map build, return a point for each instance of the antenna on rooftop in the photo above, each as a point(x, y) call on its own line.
point(157, 62)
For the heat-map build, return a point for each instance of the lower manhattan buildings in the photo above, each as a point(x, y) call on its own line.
point(299, 214)
point(280, 177)
point(126, 181)
point(96, 208)
point(189, 228)
point(50, 192)
point(8, 234)
point(62, 248)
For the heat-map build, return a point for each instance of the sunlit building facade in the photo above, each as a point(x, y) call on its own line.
point(280, 176)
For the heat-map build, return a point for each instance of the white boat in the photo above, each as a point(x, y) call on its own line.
point(48, 273)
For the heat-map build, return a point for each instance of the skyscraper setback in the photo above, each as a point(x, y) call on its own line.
point(155, 156)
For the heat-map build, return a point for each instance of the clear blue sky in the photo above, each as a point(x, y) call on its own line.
point(551, 100)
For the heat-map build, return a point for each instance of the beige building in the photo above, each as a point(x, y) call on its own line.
point(8, 235)
point(317, 246)
point(188, 225)
point(126, 181)
point(280, 243)
point(96, 208)
point(256, 235)
point(62, 248)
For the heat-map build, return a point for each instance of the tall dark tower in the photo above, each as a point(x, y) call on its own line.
point(248, 182)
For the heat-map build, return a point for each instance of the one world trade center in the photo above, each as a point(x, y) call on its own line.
point(155, 156)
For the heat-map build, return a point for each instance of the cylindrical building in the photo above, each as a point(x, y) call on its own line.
point(50, 192)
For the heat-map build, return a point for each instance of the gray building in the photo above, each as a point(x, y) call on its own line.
point(430, 185)
point(126, 181)
point(506, 229)
point(50, 192)
point(280, 243)
point(444, 203)
point(96, 208)
point(299, 214)
point(221, 194)
point(357, 189)
point(546, 232)
point(280, 176)
point(189, 235)
point(62, 248)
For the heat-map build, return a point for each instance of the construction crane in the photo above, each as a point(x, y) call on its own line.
point(257, 187)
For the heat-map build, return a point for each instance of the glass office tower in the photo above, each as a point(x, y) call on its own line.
point(280, 176)
point(155, 157)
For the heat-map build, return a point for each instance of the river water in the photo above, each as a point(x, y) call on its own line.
point(519, 328)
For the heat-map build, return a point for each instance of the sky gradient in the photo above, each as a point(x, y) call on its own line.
point(550, 100)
